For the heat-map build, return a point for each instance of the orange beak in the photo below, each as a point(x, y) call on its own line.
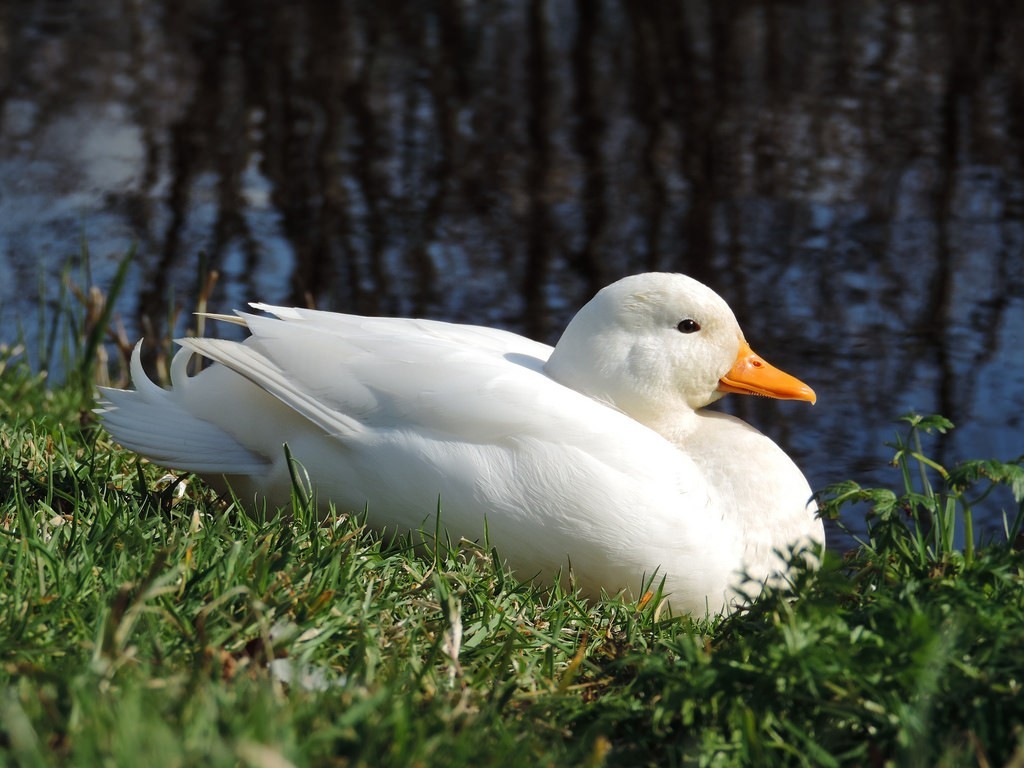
point(751, 375)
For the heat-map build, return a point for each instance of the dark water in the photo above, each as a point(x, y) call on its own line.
point(848, 175)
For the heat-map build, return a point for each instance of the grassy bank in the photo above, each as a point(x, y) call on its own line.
point(145, 622)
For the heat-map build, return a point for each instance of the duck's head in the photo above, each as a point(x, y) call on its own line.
point(655, 343)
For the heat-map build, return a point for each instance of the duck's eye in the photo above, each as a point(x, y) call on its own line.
point(688, 326)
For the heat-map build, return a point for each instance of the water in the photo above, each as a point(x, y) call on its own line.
point(848, 176)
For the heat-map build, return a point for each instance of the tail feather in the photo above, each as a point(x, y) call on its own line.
point(152, 421)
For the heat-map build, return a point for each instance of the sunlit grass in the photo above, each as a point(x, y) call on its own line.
point(144, 621)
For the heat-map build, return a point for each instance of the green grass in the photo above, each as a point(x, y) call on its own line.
point(145, 622)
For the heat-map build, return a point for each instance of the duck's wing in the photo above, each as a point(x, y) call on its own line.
point(348, 374)
point(354, 378)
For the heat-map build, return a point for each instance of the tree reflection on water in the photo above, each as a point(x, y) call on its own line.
point(849, 176)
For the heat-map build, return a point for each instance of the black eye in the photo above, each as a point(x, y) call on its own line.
point(688, 326)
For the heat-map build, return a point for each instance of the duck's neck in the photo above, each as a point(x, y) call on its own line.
point(675, 426)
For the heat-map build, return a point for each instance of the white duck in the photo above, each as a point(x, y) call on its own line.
point(593, 456)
